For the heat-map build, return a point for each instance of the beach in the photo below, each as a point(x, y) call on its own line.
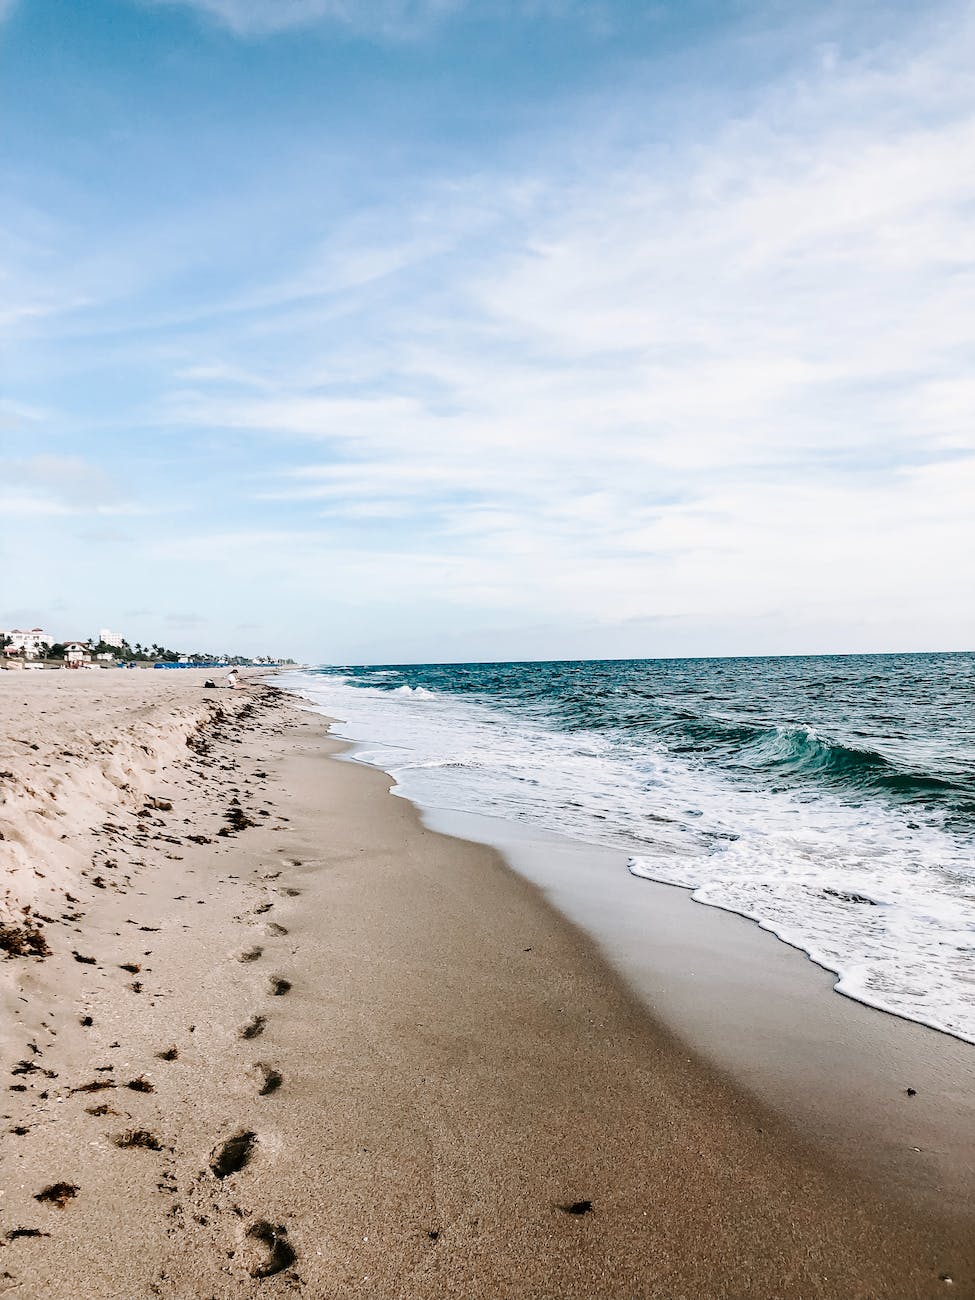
point(266, 1032)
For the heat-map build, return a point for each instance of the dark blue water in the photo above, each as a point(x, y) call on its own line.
point(895, 727)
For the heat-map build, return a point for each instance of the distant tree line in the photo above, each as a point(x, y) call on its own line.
point(154, 653)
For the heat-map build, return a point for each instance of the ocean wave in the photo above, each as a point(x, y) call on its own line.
point(797, 752)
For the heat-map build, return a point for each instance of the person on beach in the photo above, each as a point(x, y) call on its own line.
point(233, 679)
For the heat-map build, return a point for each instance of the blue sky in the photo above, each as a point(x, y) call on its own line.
point(442, 329)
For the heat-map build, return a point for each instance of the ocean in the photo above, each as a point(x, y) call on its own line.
point(830, 799)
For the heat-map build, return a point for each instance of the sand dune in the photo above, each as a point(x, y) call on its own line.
point(77, 748)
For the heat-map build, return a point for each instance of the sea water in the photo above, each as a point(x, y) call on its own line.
point(830, 799)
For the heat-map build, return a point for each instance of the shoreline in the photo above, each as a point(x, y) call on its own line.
point(765, 1016)
point(757, 1009)
point(455, 1061)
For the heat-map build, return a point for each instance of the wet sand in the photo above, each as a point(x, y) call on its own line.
point(328, 1051)
point(869, 1089)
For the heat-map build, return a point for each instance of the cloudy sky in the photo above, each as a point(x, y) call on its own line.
point(387, 330)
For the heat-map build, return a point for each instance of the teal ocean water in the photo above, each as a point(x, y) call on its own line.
point(831, 799)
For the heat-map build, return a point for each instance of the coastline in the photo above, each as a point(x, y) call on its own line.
point(766, 1016)
point(455, 1061)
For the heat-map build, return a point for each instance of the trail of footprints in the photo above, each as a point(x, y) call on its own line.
point(262, 1248)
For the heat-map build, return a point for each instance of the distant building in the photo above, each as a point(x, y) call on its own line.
point(76, 653)
point(31, 643)
point(107, 637)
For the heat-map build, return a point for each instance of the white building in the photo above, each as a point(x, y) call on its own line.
point(108, 637)
point(32, 642)
point(76, 653)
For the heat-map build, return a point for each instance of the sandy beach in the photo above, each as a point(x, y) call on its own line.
point(266, 1033)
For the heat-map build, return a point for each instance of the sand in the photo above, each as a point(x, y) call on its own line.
point(322, 1050)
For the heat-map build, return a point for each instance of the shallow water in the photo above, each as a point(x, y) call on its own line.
point(831, 799)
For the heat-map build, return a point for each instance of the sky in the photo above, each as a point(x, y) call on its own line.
point(412, 330)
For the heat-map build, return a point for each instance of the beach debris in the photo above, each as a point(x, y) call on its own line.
point(97, 1085)
point(85, 961)
point(278, 1253)
point(58, 1194)
point(231, 1156)
point(577, 1207)
point(137, 1137)
point(16, 1233)
point(141, 1084)
point(86, 1022)
point(433, 1234)
point(168, 1053)
point(911, 1092)
point(25, 940)
point(849, 896)
point(236, 819)
point(132, 967)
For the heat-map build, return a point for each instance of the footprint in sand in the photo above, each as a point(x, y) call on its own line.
point(266, 1249)
point(272, 928)
point(250, 954)
point(270, 1080)
point(254, 1027)
point(231, 1156)
point(279, 986)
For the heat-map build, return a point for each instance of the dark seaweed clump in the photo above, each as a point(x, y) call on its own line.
point(24, 940)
